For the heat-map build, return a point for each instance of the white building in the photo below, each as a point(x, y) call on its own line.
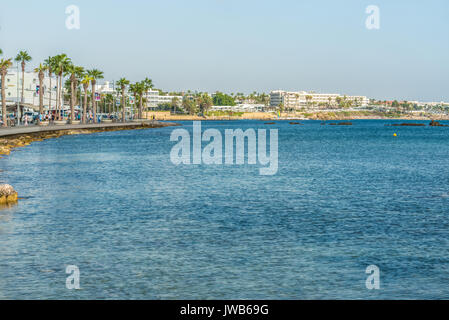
point(154, 98)
point(13, 88)
point(241, 108)
point(303, 99)
point(104, 88)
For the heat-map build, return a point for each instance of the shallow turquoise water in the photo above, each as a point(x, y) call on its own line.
point(139, 227)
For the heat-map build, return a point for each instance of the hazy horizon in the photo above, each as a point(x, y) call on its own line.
point(235, 46)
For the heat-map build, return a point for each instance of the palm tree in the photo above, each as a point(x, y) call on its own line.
point(109, 100)
point(175, 103)
point(148, 85)
point(41, 73)
point(205, 102)
point(122, 83)
point(134, 89)
point(49, 63)
point(95, 75)
point(23, 57)
point(79, 75)
point(61, 64)
point(5, 64)
point(85, 81)
point(189, 105)
point(75, 73)
point(138, 89)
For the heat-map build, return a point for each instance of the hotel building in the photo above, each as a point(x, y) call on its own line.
point(303, 99)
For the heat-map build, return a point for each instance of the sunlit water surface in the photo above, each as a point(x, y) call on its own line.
point(139, 227)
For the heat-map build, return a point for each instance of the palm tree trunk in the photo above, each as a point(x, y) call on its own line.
point(123, 105)
point(94, 105)
point(4, 113)
point(61, 97)
point(140, 107)
point(57, 98)
point(72, 100)
point(49, 102)
point(85, 106)
point(41, 96)
point(23, 81)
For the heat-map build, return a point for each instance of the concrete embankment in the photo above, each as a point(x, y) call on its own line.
point(11, 138)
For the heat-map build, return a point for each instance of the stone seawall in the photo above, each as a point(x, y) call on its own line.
point(10, 142)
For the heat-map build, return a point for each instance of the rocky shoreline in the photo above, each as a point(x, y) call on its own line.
point(11, 142)
point(8, 194)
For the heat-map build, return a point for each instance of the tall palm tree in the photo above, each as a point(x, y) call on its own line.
point(49, 63)
point(75, 72)
point(79, 75)
point(134, 89)
point(23, 57)
point(41, 73)
point(138, 89)
point(85, 81)
point(61, 64)
point(109, 100)
point(95, 75)
point(122, 83)
point(148, 85)
point(5, 64)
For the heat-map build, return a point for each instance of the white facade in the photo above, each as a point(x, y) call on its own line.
point(13, 88)
point(154, 98)
point(241, 108)
point(104, 88)
point(303, 99)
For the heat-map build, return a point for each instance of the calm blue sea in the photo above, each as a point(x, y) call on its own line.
point(139, 227)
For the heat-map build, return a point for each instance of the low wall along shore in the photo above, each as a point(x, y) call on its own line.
point(12, 138)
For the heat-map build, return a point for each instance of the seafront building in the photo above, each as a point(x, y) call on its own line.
point(303, 99)
point(153, 97)
point(13, 88)
point(241, 108)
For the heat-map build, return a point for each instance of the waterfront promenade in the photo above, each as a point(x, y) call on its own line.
point(13, 131)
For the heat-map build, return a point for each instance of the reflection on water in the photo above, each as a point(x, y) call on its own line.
point(5, 206)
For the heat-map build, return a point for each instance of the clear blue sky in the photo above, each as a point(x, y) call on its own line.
point(246, 45)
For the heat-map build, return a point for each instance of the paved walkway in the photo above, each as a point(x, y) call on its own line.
point(4, 132)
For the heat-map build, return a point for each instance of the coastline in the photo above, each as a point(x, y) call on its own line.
point(318, 115)
point(13, 138)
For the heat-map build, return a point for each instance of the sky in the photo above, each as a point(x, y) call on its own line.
point(246, 45)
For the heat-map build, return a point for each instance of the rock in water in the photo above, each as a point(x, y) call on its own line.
point(7, 194)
